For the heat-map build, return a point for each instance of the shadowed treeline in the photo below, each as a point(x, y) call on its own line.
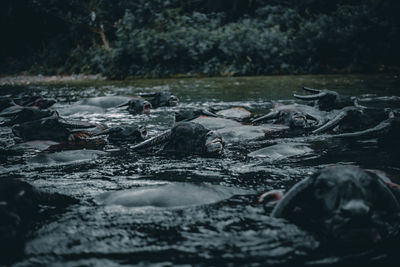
point(155, 38)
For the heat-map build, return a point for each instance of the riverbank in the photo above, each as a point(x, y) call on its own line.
point(37, 79)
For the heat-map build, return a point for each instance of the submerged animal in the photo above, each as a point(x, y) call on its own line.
point(20, 207)
point(343, 205)
point(5, 102)
point(234, 113)
point(300, 118)
point(26, 114)
point(283, 151)
point(161, 99)
point(32, 109)
point(327, 100)
point(105, 102)
point(186, 138)
point(350, 119)
point(37, 102)
point(168, 195)
point(8, 105)
point(387, 132)
point(137, 105)
point(125, 133)
point(191, 114)
point(70, 134)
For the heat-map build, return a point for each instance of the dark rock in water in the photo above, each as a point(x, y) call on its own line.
point(169, 195)
point(20, 207)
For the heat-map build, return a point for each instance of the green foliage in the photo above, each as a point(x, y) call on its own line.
point(155, 38)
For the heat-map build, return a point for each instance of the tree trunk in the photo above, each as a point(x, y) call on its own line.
point(103, 38)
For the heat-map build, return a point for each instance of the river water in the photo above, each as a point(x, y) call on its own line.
point(232, 230)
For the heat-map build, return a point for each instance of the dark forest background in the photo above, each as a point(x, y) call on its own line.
point(154, 38)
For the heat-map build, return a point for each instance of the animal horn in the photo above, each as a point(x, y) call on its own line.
point(147, 94)
point(332, 123)
point(296, 191)
point(208, 113)
point(311, 97)
point(75, 124)
point(269, 116)
point(156, 140)
point(369, 133)
point(123, 105)
point(107, 131)
point(390, 202)
point(308, 89)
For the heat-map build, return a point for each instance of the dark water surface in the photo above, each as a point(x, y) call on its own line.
point(233, 229)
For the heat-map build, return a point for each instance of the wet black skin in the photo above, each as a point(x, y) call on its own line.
point(387, 133)
point(138, 106)
point(38, 102)
point(52, 128)
point(305, 119)
point(130, 133)
point(300, 118)
point(361, 118)
point(188, 115)
point(10, 109)
point(193, 138)
point(29, 114)
point(352, 119)
point(327, 100)
point(161, 99)
point(343, 205)
point(186, 138)
point(20, 206)
point(6, 102)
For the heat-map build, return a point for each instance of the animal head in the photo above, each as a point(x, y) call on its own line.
point(166, 99)
point(343, 204)
point(138, 106)
point(190, 137)
point(161, 99)
point(294, 116)
point(327, 99)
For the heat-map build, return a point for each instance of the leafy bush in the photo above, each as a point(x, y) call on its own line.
point(156, 38)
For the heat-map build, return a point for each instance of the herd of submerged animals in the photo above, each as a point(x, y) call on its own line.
point(342, 204)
